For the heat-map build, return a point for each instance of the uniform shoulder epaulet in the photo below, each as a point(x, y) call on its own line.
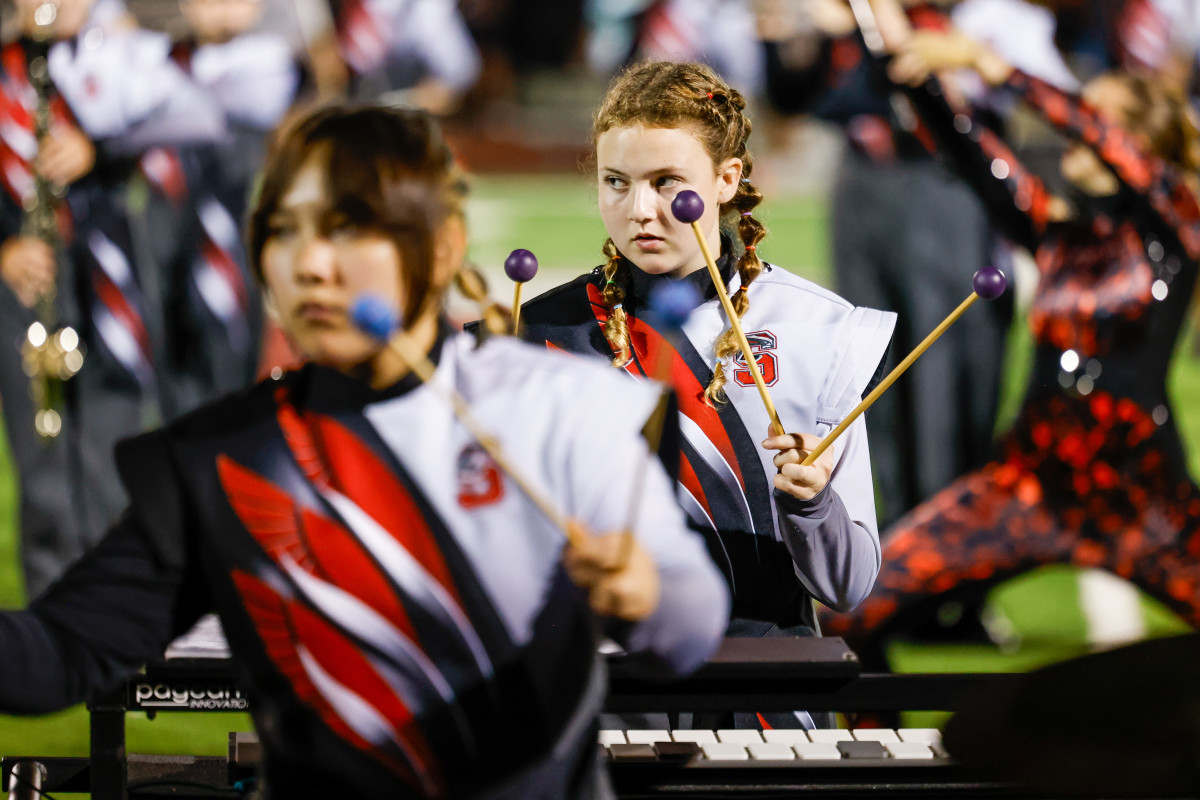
point(859, 350)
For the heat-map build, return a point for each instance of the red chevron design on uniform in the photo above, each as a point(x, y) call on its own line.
point(687, 477)
point(111, 296)
point(221, 260)
point(331, 455)
point(647, 343)
point(282, 625)
point(267, 511)
point(300, 440)
point(651, 347)
point(318, 544)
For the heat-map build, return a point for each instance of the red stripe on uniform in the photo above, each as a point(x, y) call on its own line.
point(277, 631)
point(651, 348)
point(300, 440)
point(118, 305)
point(360, 475)
point(223, 263)
point(347, 665)
point(343, 559)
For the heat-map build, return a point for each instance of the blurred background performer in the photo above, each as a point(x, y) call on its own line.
point(1092, 472)
point(100, 121)
point(719, 33)
point(907, 235)
point(415, 53)
point(782, 534)
point(410, 624)
point(199, 193)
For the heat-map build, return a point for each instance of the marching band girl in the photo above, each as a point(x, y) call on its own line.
point(782, 533)
point(408, 623)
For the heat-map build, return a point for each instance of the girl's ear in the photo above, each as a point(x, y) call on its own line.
point(729, 175)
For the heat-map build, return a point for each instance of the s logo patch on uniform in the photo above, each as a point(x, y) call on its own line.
point(480, 481)
point(761, 344)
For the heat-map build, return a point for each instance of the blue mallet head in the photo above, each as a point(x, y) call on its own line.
point(671, 303)
point(989, 283)
point(521, 265)
point(374, 316)
point(687, 206)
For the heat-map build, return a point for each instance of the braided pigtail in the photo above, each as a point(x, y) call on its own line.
point(497, 320)
point(616, 329)
point(750, 231)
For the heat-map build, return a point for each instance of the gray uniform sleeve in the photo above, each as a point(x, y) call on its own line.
point(833, 538)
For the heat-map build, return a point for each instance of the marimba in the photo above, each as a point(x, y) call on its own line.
point(746, 674)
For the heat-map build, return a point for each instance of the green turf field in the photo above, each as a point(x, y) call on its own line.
point(556, 218)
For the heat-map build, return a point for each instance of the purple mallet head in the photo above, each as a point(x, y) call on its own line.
point(374, 316)
point(672, 302)
point(989, 283)
point(520, 266)
point(687, 206)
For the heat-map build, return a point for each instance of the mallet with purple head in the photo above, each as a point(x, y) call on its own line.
point(988, 283)
point(688, 207)
point(520, 266)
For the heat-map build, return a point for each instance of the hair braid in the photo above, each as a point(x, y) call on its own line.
point(497, 320)
point(616, 328)
point(751, 232)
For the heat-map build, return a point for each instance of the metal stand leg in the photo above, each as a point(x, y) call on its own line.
point(26, 780)
point(108, 748)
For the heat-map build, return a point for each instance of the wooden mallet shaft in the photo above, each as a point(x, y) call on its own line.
point(516, 309)
point(739, 334)
point(988, 282)
point(419, 363)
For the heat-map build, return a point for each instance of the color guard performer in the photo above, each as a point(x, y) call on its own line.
point(1092, 472)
